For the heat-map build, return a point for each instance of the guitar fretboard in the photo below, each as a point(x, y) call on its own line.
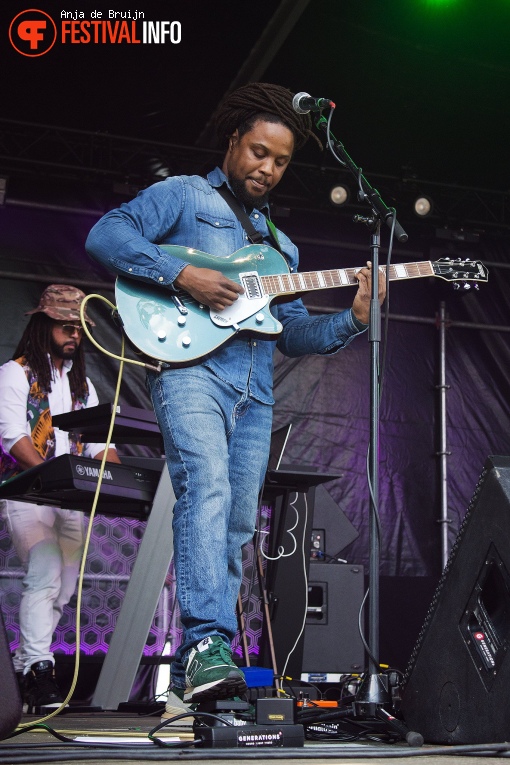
point(280, 284)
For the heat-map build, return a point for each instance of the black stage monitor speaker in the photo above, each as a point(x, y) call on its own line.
point(332, 641)
point(10, 700)
point(456, 686)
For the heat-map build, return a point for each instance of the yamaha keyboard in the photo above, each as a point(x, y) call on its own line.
point(70, 481)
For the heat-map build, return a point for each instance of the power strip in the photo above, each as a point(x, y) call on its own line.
point(250, 736)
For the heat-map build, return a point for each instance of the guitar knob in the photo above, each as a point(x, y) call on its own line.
point(259, 318)
point(161, 335)
point(186, 341)
point(181, 321)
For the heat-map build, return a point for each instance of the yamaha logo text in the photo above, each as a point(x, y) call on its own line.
point(93, 472)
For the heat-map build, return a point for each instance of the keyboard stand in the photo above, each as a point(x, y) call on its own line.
point(140, 601)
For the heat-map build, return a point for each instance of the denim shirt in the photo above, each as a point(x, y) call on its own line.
point(187, 210)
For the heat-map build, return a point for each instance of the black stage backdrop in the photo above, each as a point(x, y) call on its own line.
point(327, 399)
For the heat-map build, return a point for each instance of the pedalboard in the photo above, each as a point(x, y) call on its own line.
point(251, 736)
point(275, 724)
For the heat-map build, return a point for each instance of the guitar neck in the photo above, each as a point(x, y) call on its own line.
point(282, 284)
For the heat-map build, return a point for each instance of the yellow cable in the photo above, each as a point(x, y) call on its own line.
point(121, 358)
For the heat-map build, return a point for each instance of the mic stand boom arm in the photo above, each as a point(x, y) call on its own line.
point(366, 193)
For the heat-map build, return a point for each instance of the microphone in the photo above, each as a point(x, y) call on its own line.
point(302, 103)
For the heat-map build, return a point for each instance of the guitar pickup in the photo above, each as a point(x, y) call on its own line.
point(252, 287)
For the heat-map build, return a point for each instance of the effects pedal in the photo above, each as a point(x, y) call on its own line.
point(222, 712)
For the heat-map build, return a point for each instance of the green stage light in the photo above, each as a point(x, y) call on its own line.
point(440, 3)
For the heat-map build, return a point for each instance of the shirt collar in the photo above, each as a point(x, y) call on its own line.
point(217, 178)
point(67, 365)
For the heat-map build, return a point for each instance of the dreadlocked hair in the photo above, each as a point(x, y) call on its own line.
point(35, 345)
point(261, 100)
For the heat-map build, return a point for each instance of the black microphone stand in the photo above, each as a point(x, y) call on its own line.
point(373, 698)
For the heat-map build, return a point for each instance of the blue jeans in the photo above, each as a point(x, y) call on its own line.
point(217, 446)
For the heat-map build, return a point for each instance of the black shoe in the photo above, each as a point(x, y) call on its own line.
point(41, 690)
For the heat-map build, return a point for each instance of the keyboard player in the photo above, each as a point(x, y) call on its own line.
point(46, 376)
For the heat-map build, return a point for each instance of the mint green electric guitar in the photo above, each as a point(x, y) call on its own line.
point(176, 329)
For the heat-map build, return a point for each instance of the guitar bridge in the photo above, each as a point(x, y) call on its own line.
point(252, 287)
point(179, 305)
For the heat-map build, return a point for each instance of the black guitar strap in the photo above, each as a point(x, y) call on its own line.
point(253, 235)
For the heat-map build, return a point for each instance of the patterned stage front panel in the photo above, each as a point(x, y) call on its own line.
point(111, 556)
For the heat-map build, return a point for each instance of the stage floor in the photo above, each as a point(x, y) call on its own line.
point(129, 731)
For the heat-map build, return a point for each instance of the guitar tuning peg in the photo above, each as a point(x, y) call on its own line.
point(476, 287)
point(466, 286)
point(456, 286)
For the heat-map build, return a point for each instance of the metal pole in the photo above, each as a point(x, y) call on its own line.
point(443, 454)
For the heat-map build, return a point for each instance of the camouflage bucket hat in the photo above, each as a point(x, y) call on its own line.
point(62, 303)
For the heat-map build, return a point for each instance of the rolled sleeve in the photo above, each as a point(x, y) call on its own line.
point(13, 411)
point(326, 334)
point(124, 240)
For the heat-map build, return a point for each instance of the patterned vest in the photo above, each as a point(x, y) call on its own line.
point(41, 428)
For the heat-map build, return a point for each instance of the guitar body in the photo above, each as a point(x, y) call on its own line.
point(174, 328)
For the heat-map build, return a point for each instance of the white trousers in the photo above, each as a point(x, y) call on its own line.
point(49, 543)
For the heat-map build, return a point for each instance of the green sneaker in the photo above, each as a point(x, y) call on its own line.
point(211, 673)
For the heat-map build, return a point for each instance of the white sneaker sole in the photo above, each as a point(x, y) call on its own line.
point(232, 685)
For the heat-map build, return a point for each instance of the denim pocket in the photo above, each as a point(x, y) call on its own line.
point(216, 234)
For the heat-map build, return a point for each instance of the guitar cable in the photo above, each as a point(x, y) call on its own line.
point(123, 359)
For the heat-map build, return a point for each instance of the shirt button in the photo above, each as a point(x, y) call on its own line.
point(256, 216)
point(254, 343)
point(130, 269)
point(216, 223)
point(160, 279)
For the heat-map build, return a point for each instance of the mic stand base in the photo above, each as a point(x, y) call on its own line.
point(372, 702)
point(372, 694)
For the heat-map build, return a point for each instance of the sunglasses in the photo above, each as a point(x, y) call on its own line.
point(70, 329)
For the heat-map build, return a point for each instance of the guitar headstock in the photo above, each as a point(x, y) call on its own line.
point(458, 270)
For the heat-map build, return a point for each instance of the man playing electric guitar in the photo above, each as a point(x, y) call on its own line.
point(215, 415)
